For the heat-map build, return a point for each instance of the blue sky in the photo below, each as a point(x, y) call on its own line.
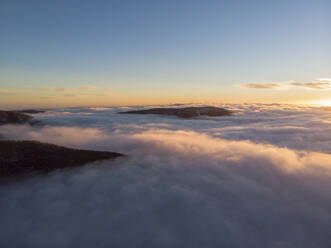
point(127, 46)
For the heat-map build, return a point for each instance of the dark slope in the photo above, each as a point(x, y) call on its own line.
point(187, 112)
point(24, 157)
point(13, 117)
point(31, 111)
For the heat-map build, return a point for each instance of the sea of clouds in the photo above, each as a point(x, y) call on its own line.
point(259, 178)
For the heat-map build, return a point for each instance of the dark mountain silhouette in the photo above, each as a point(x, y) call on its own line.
point(13, 117)
point(31, 111)
point(24, 157)
point(187, 112)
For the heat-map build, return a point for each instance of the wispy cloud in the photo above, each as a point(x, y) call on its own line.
point(271, 85)
point(86, 95)
point(325, 79)
point(82, 91)
point(319, 84)
point(314, 85)
point(81, 88)
point(6, 92)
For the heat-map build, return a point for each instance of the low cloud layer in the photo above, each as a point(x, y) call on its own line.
point(182, 184)
point(321, 84)
point(69, 136)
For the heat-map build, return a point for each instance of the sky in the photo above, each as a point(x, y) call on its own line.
point(98, 53)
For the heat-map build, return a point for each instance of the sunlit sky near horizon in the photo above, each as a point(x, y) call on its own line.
point(73, 53)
